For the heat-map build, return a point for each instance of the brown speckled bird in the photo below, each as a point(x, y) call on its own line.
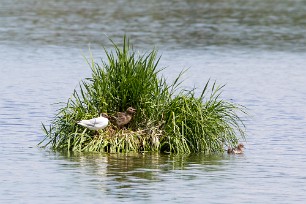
point(120, 119)
point(237, 150)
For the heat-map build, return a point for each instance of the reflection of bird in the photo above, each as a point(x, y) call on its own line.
point(95, 123)
point(237, 150)
point(122, 118)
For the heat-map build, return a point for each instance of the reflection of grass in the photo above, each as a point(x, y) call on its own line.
point(167, 119)
point(148, 166)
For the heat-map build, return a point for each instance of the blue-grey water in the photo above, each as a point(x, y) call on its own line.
point(257, 48)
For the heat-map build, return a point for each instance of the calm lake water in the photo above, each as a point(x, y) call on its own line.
point(257, 48)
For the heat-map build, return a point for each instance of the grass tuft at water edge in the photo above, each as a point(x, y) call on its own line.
point(168, 119)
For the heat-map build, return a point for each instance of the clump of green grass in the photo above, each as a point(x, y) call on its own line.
point(167, 119)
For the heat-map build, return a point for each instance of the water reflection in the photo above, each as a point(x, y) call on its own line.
point(144, 166)
point(143, 176)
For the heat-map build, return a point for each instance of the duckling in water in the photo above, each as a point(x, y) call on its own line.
point(237, 150)
point(120, 119)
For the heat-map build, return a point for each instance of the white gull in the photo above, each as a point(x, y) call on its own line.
point(95, 123)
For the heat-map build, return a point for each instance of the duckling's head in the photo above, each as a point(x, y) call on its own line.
point(240, 146)
point(104, 115)
point(131, 110)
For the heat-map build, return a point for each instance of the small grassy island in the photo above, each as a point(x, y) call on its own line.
point(167, 119)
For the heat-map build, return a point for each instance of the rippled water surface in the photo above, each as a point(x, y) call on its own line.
point(256, 48)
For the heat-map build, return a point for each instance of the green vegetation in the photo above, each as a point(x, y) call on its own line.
point(167, 120)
